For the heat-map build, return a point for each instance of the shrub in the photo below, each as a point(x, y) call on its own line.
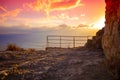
point(30, 50)
point(14, 47)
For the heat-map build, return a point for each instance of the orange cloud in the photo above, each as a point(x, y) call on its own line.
point(12, 13)
point(65, 16)
point(63, 5)
point(49, 5)
point(3, 9)
point(7, 13)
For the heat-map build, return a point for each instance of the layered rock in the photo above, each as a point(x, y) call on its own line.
point(111, 37)
point(96, 41)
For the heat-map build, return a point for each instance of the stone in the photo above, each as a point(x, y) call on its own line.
point(111, 37)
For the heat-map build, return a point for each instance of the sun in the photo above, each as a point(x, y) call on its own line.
point(100, 23)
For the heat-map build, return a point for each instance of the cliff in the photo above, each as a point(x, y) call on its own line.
point(111, 37)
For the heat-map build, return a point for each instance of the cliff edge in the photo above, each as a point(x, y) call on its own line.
point(111, 37)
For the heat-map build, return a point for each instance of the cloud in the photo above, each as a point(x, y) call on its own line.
point(12, 30)
point(65, 4)
point(50, 5)
point(67, 17)
point(20, 29)
point(63, 16)
point(82, 25)
point(6, 13)
point(82, 15)
point(3, 9)
point(58, 29)
point(63, 26)
point(24, 29)
point(11, 13)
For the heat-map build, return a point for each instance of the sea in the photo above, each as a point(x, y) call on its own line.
point(23, 40)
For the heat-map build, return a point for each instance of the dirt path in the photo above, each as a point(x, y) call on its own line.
point(79, 65)
point(62, 64)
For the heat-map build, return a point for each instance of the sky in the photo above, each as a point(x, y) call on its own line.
point(21, 16)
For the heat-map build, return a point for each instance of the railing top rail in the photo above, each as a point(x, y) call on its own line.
point(66, 36)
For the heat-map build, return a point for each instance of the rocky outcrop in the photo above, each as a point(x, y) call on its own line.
point(111, 37)
point(96, 41)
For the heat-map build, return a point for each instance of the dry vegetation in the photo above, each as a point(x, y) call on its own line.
point(13, 52)
point(14, 47)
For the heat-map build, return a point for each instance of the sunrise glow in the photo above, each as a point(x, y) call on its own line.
point(100, 23)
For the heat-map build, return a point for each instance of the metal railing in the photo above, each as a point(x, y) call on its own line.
point(66, 41)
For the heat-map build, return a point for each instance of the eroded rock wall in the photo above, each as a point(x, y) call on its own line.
point(96, 41)
point(111, 37)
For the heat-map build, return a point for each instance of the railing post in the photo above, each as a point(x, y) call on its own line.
point(47, 42)
point(73, 41)
point(60, 41)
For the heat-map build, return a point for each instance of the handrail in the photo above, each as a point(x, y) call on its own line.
point(60, 40)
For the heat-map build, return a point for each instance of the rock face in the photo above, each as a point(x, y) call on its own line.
point(111, 37)
point(96, 42)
